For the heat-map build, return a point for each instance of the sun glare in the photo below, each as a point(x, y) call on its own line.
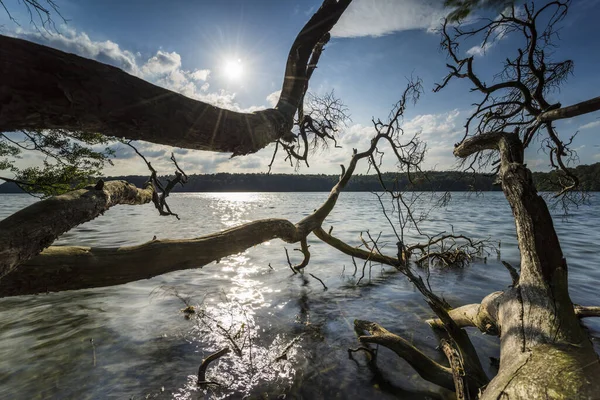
point(234, 69)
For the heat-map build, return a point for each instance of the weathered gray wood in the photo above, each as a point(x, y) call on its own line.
point(571, 111)
point(27, 232)
point(545, 353)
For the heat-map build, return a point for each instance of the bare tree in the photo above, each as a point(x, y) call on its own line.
point(538, 325)
point(545, 352)
point(43, 88)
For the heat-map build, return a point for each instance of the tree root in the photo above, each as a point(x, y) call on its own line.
point(484, 316)
point(427, 368)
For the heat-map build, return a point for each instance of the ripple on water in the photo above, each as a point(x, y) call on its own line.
point(133, 341)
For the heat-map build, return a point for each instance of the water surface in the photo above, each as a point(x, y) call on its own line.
point(132, 341)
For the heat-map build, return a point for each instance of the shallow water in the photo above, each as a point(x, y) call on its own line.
point(132, 341)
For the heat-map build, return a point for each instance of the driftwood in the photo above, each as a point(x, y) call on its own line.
point(27, 232)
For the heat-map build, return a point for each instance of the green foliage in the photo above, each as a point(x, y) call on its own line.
point(588, 175)
point(225, 182)
point(71, 160)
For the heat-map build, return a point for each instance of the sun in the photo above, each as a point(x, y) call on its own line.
point(233, 69)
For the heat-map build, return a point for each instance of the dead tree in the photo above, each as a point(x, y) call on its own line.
point(545, 352)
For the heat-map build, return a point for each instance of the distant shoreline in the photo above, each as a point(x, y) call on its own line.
point(447, 181)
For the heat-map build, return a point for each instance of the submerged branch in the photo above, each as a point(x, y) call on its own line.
point(206, 362)
point(425, 366)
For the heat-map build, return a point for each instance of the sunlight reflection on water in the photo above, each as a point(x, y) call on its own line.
point(253, 360)
point(143, 346)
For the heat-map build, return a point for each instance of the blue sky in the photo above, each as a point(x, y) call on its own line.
point(186, 46)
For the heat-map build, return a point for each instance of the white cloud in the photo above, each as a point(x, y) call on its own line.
point(479, 50)
point(435, 126)
point(200, 74)
point(439, 132)
point(162, 63)
point(163, 69)
point(382, 17)
point(590, 125)
point(273, 98)
point(80, 43)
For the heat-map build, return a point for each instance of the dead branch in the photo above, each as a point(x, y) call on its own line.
point(514, 275)
point(205, 364)
point(457, 367)
point(484, 316)
point(475, 373)
point(587, 311)
point(425, 366)
point(317, 278)
point(44, 88)
point(518, 98)
point(585, 107)
point(161, 192)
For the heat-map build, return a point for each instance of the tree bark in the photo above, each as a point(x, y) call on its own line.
point(574, 110)
point(71, 268)
point(545, 353)
point(44, 88)
point(60, 268)
point(27, 232)
point(483, 316)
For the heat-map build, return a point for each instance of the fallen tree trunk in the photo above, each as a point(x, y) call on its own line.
point(26, 233)
point(44, 88)
point(61, 268)
point(73, 267)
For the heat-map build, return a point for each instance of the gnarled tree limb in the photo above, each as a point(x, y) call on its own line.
point(425, 366)
point(205, 364)
point(574, 110)
point(71, 268)
point(27, 232)
point(44, 88)
point(483, 315)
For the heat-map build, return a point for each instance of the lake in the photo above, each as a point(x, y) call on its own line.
point(133, 341)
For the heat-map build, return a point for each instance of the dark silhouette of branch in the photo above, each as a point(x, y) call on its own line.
point(519, 96)
point(43, 88)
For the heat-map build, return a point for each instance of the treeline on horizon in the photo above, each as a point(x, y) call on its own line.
point(589, 176)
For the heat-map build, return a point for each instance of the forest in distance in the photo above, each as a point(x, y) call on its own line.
point(453, 181)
